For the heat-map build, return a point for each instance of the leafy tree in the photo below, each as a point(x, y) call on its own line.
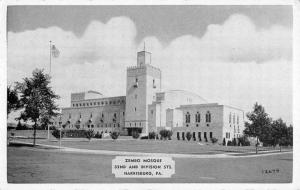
point(13, 102)
point(281, 134)
point(37, 99)
point(259, 125)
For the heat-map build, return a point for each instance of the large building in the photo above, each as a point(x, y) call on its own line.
point(145, 108)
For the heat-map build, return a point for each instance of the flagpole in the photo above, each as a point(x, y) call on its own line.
point(50, 58)
point(49, 74)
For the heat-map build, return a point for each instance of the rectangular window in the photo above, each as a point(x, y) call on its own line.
point(210, 135)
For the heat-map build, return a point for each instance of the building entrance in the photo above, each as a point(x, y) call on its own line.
point(130, 130)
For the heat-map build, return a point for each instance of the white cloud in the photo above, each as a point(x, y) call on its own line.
point(233, 63)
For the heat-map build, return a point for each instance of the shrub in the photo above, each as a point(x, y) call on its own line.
point(165, 134)
point(244, 141)
point(234, 142)
point(188, 136)
point(98, 135)
point(229, 143)
point(89, 134)
point(114, 135)
point(145, 137)
point(152, 135)
point(21, 127)
point(135, 134)
point(214, 140)
point(224, 142)
point(56, 133)
point(75, 133)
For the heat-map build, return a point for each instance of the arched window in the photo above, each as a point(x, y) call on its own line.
point(187, 117)
point(233, 119)
point(197, 117)
point(208, 117)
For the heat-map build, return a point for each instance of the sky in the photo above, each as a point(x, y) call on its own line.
point(235, 55)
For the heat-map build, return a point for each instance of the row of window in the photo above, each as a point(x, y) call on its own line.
point(198, 117)
point(102, 115)
point(135, 124)
point(233, 118)
point(183, 136)
point(92, 125)
point(113, 102)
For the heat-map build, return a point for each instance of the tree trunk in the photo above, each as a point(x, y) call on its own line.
point(256, 145)
point(34, 133)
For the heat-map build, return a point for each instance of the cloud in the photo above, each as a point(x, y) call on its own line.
point(234, 62)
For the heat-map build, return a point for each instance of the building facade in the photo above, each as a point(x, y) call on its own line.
point(145, 108)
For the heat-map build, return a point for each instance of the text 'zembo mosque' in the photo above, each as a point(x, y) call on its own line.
point(145, 109)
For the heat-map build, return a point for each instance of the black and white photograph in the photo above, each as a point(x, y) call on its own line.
point(148, 93)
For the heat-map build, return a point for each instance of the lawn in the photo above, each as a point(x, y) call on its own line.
point(30, 165)
point(137, 145)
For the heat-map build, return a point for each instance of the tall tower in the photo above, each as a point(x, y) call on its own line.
point(143, 82)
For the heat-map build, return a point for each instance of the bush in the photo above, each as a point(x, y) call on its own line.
point(229, 143)
point(188, 136)
point(56, 133)
point(98, 135)
point(114, 135)
point(75, 133)
point(165, 134)
point(145, 137)
point(234, 142)
point(135, 134)
point(21, 127)
point(214, 140)
point(89, 134)
point(152, 135)
point(244, 141)
point(224, 142)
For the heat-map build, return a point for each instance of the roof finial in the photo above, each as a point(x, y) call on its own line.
point(144, 46)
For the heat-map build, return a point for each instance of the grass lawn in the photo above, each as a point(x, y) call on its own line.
point(30, 165)
point(134, 145)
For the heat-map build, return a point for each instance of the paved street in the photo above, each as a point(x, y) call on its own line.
point(32, 165)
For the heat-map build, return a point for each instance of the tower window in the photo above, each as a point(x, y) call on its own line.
point(187, 117)
point(135, 109)
point(208, 117)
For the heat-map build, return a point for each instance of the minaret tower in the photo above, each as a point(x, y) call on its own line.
point(143, 82)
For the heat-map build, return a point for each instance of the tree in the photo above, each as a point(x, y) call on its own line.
point(13, 102)
point(259, 125)
point(281, 133)
point(37, 99)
